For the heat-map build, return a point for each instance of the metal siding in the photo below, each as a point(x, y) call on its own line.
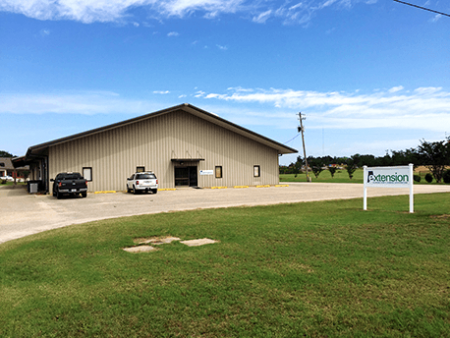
point(114, 154)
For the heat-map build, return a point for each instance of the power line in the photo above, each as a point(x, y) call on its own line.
point(426, 9)
point(292, 139)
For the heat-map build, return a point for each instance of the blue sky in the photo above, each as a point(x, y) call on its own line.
point(370, 75)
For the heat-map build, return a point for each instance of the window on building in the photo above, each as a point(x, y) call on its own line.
point(2, 164)
point(256, 171)
point(218, 171)
point(140, 169)
point(87, 174)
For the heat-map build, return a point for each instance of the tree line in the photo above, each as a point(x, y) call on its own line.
point(4, 153)
point(434, 155)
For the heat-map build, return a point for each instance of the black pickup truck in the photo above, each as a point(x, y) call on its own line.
point(69, 183)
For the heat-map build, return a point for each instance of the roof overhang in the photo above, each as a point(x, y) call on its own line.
point(21, 163)
point(187, 159)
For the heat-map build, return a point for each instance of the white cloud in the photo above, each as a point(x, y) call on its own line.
point(173, 34)
point(304, 11)
point(425, 108)
point(199, 94)
point(240, 89)
point(222, 47)
point(73, 103)
point(300, 4)
point(427, 90)
point(325, 4)
point(262, 18)
point(88, 11)
point(44, 32)
point(436, 18)
point(395, 89)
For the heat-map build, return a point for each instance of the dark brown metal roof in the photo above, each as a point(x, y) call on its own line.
point(282, 149)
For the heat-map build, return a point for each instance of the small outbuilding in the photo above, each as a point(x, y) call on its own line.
point(183, 145)
point(7, 168)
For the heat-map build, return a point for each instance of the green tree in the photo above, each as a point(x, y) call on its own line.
point(332, 171)
point(405, 157)
point(368, 160)
point(435, 156)
point(351, 167)
point(298, 164)
point(4, 153)
point(316, 166)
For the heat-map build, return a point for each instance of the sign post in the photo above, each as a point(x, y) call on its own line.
point(390, 177)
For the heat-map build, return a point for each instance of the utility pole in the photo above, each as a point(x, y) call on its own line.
point(301, 129)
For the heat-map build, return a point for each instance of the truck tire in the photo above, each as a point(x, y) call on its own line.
point(84, 194)
point(154, 191)
point(58, 195)
point(134, 190)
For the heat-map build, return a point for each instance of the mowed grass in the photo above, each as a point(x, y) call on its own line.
point(6, 184)
point(341, 176)
point(322, 269)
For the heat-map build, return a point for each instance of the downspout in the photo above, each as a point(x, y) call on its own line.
point(47, 183)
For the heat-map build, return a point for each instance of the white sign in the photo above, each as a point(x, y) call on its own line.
point(387, 177)
point(390, 177)
point(207, 172)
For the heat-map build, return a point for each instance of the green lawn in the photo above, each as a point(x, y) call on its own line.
point(341, 176)
point(11, 183)
point(322, 269)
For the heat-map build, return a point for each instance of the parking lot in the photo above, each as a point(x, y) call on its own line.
point(23, 214)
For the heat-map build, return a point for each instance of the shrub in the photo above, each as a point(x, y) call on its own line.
point(447, 176)
point(429, 178)
point(417, 178)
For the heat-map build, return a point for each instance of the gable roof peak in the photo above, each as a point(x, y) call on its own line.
point(187, 107)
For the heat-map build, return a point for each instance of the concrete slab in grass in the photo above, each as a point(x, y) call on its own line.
point(198, 242)
point(156, 240)
point(140, 248)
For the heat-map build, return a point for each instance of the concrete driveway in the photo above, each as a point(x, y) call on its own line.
point(22, 214)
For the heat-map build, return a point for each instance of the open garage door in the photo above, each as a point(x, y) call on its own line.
point(186, 176)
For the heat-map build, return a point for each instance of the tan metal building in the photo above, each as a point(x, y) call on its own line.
point(182, 145)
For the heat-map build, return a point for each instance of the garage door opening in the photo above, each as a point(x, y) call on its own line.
point(186, 176)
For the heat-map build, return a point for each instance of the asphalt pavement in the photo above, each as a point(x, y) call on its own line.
point(22, 214)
